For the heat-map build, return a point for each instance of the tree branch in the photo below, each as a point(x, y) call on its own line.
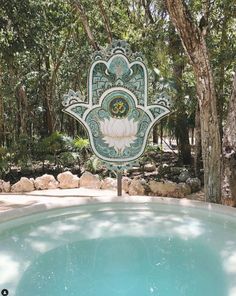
point(146, 6)
point(106, 20)
point(61, 52)
point(84, 19)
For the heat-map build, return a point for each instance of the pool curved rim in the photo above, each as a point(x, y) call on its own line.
point(66, 203)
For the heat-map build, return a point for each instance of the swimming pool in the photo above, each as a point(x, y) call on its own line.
point(164, 248)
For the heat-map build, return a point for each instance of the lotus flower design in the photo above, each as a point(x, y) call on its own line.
point(119, 133)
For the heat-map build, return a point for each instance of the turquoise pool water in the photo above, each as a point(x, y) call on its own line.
point(120, 250)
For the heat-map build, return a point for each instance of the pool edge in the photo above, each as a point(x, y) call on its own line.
point(41, 203)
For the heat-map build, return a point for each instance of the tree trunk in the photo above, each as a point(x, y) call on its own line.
point(1, 113)
point(182, 133)
point(1, 121)
point(50, 98)
point(210, 136)
point(22, 109)
point(195, 46)
point(221, 79)
point(155, 134)
point(198, 147)
point(49, 119)
point(229, 153)
point(181, 124)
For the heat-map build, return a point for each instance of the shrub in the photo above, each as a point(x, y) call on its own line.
point(82, 146)
point(4, 161)
point(69, 158)
point(94, 165)
point(53, 146)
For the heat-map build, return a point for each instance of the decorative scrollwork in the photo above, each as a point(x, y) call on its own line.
point(72, 97)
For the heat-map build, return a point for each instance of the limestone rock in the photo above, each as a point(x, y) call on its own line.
point(5, 186)
point(169, 189)
point(162, 188)
point(109, 183)
point(89, 180)
point(184, 175)
point(229, 202)
point(149, 167)
point(46, 182)
point(184, 189)
point(125, 184)
point(136, 187)
point(194, 183)
point(24, 185)
point(68, 180)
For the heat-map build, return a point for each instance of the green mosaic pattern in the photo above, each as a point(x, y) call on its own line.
point(116, 114)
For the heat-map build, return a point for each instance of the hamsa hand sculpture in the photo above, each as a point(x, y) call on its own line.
point(116, 113)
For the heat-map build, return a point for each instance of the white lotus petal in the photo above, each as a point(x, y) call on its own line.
point(122, 144)
point(127, 129)
point(134, 128)
point(102, 127)
point(118, 128)
point(106, 126)
point(119, 133)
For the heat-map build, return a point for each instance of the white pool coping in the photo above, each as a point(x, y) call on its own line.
point(14, 206)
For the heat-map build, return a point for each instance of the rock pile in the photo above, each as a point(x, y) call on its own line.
point(134, 186)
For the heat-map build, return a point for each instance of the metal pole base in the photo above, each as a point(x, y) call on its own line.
point(119, 183)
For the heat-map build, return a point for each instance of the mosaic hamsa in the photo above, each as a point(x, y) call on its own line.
point(116, 113)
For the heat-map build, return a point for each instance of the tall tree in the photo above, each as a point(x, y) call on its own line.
point(21, 98)
point(194, 43)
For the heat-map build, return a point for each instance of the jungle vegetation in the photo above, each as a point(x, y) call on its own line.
point(190, 49)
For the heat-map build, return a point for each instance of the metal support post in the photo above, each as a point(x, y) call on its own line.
point(119, 183)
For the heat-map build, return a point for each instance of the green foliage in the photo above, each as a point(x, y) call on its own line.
point(54, 143)
point(45, 49)
point(93, 165)
point(81, 144)
point(149, 155)
point(68, 159)
point(4, 161)
point(53, 146)
point(150, 149)
point(22, 151)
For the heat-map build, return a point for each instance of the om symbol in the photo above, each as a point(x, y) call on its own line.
point(119, 107)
